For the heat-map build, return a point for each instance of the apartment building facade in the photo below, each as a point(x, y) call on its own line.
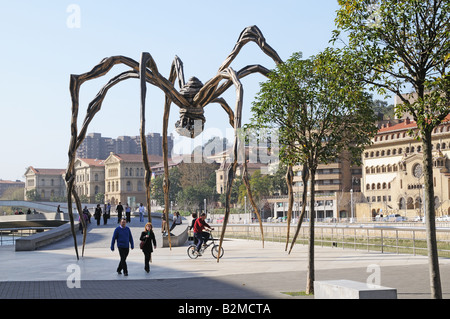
point(336, 186)
point(96, 146)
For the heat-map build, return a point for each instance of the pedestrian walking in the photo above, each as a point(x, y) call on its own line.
point(141, 212)
point(122, 234)
point(108, 210)
point(119, 210)
point(147, 239)
point(105, 214)
point(98, 214)
point(128, 213)
point(164, 224)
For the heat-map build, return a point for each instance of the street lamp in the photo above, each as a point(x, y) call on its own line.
point(351, 204)
point(245, 206)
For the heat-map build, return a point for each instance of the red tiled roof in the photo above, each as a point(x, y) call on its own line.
point(48, 171)
point(138, 158)
point(93, 161)
point(405, 125)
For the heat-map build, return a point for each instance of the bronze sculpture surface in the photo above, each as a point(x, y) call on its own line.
point(191, 99)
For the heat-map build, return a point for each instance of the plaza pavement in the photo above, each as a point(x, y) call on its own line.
point(246, 271)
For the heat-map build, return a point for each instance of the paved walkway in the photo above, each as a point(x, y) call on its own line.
point(246, 271)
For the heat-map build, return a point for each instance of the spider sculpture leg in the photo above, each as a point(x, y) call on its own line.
point(176, 71)
point(225, 72)
point(238, 154)
point(153, 77)
point(75, 82)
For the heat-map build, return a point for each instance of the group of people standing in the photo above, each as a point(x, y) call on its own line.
point(106, 213)
point(98, 213)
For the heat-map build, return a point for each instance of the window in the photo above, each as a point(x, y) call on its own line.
point(129, 186)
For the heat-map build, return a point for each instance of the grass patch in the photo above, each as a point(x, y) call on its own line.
point(297, 293)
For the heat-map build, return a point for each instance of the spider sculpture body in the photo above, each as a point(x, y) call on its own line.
point(191, 99)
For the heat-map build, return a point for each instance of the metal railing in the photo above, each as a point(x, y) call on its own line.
point(384, 238)
point(8, 236)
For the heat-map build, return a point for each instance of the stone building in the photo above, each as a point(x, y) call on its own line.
point(47, 183)
point(124, 178)
point(393, 181)
point(90, 178)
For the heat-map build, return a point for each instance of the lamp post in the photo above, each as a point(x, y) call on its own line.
point(245, 206)
point(424, 207)
point(351, 205)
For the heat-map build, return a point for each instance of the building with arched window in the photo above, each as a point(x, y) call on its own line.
point(393, 181)
point(45, 184)
point(90, 179)
point(124, 178)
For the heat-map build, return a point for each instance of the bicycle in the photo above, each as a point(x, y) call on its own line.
point(192, 249)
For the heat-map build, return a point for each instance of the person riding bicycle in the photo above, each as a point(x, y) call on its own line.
point(199, 226)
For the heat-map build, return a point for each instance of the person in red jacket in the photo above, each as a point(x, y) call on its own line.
point(199, 226)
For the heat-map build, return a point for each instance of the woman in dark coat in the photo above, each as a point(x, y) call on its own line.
point(98, 214)
point(148, 237)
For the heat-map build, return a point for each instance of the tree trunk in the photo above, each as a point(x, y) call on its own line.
point(433, 261)
point(305, 177)
point(310, 274)
point(289, 181)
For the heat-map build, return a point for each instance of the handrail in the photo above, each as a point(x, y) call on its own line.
point(388, 238)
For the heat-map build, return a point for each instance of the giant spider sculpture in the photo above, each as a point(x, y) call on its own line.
point(191, 99)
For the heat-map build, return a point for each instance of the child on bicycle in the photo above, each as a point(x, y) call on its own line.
point(199, 226)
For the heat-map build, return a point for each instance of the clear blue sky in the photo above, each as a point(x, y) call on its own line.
point(40, 51)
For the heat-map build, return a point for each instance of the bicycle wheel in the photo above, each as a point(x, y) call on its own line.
point(215, 251)
point(191, 251)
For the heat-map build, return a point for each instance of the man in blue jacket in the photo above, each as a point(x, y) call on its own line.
point(124, 239)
